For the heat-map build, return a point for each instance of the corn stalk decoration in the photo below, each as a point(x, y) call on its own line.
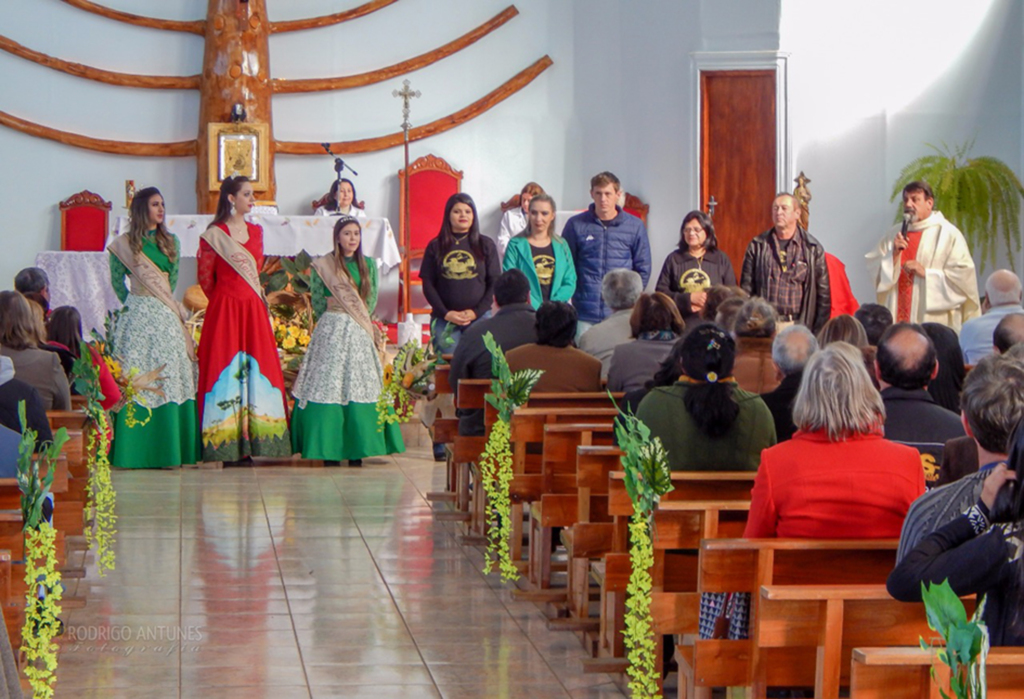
point(966, 640)
point(100, 488)
point(42, 600)
point(645, 463)
point(981, 196)
point(508, 392)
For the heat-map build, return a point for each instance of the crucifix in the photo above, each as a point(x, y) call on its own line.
point(407, 94)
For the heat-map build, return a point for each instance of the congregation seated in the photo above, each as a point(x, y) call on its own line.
point(620, 289)
point(718, 294)
point(906, 363)
point(341, 200)
point(64, 329)
point(979, 553)
point(949, 381)
point(843, 328)
point(566, 368)
point(1003, 295)
point(992, 406)
point(40, 309)
point(32, 280)
point(12, 392)
point(512, 325)
point(790, 351)
point(838, 477)
point(754, 329)
point(1009, 332)
point(725, 317)
point(656, 325)
point(875, 319)
point(19, 340)
point(705, 421)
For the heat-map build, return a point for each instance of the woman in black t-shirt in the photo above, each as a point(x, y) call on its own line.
point(695, 267)
point(459, 269)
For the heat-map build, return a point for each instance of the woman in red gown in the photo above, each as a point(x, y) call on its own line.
point(242, 406)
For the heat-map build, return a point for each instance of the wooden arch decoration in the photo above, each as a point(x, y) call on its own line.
point(86, 198)
point(236, 70)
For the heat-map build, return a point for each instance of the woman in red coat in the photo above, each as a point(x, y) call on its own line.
point(838, 478)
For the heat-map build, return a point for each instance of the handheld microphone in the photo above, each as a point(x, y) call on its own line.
point(906, 224)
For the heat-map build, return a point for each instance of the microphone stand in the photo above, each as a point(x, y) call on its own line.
point(339, 164)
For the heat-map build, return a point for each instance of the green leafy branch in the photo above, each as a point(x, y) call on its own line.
point(966, 640)
point(647, 479)
point(508, 392)
point(100, 488)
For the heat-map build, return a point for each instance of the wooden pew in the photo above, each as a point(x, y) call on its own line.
point(828, 621)
point(744, 565)
point(71, 419)
point(703, 519)
point(905, 673)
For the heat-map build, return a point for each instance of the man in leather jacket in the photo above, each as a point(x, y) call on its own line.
point(786, 266)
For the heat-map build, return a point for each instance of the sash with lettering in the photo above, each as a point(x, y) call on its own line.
point(345, 298)
point(236, 255)
point(152, 282)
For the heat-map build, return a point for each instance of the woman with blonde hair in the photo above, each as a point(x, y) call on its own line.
point(844, 328)
point(541, 254)
point(838, 477)
point(335, 416)
point(19, 340)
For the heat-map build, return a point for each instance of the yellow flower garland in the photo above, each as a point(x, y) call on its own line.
point(496, 474)
point(101, 496)
point(41, 622)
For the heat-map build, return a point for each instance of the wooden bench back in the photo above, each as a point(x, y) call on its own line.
point(71, 419)
point(905, 673)
point(686, 485)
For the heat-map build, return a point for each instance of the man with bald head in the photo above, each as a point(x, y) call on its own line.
point(790, 351)
point(1003, 296)
point(1008, 333)
point(906, 362)
point(786, 267)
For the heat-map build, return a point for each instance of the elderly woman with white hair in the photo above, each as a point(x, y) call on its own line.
point(838, 478)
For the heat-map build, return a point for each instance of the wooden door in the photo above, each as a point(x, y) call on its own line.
point(738, 155)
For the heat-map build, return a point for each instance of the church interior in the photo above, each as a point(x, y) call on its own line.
point(285, 578)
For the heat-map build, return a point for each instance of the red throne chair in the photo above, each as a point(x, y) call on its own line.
point(84, 222)
point(431, 182)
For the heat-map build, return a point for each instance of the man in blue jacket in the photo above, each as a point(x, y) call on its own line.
point(603, 238)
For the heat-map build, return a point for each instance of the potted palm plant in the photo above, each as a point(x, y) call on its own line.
point(980, 195)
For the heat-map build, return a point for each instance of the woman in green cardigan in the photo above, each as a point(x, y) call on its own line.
point(542, 255)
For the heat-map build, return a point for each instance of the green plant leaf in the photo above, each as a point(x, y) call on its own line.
point(303, 261)
point(278, 280)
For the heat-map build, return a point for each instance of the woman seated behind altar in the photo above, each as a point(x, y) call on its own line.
point(341, 201)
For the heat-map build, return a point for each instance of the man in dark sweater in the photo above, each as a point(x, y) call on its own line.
point(905, 363)
point(790, 351)
point(992, 404)
point(511, 326)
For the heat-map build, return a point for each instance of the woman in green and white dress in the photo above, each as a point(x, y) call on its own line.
point(150, 335)
point(335, 416)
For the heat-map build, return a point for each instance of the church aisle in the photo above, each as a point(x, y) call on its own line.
point(304, 582)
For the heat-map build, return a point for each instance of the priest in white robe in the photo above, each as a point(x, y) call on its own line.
point(928, 274)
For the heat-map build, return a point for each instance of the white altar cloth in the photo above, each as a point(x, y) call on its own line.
point(286, 235)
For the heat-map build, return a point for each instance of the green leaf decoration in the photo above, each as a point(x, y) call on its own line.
point(966, 640)
point(981, 196)
point(647, 478)
point(278, 280)
point(303, 261)
point(508, 392)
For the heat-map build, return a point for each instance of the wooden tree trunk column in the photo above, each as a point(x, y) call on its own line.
point(236, 69)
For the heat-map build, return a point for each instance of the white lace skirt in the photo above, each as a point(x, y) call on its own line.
point(148, 335)
point(341, 365)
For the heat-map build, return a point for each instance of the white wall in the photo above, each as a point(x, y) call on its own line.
point(871, 83)
point(618, 97)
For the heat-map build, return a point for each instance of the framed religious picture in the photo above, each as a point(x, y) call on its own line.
point(240, 149)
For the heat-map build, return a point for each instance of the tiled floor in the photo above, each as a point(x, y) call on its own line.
point(296, 582)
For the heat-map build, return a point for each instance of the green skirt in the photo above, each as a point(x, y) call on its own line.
point(170, 438)
point(336, 432)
